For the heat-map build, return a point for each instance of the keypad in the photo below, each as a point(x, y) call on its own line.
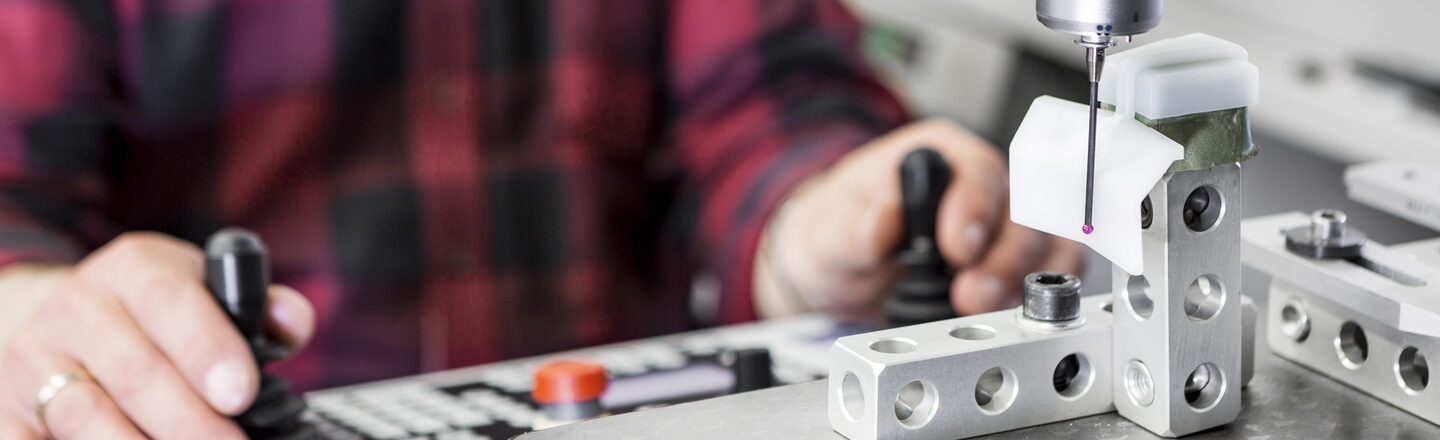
point(496, 404)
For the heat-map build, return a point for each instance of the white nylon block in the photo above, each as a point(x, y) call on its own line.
point(1189, 74)
point(1047, 176)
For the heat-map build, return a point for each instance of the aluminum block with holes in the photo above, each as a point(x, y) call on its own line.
point(969, 376)
point(1370, 322)
point(1177, 327)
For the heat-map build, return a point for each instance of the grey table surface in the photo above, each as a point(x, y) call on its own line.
point(1283, 401)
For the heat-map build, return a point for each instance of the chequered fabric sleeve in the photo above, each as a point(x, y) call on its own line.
point(764, 94)
point(54, 128)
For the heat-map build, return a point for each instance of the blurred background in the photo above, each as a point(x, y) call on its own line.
point(1341, 83)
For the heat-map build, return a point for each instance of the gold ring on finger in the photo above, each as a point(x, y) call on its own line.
point(53, 385)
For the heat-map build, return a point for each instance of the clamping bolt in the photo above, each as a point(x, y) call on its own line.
point(1327, 237)
point(1052, 297)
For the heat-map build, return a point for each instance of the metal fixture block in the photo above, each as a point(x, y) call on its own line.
point(970, 376)
point(958, 351)
point(1368, 321)
point(1404, 188)
point(1177, 327)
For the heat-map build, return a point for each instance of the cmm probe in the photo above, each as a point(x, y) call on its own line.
point(1095, 23)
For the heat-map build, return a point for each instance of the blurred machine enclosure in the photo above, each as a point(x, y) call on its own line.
point(1351, 81)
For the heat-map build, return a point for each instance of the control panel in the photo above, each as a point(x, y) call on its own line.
point(493, 401)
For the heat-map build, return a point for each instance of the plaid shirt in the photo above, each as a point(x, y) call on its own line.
point(450, 182)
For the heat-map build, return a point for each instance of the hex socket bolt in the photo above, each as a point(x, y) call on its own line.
point(1052, 297)
point(1326, 237)
point(1327, 224)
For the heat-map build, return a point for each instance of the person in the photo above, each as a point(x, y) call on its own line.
point(442, 183)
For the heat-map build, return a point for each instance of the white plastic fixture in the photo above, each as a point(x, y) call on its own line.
point(1191, 74)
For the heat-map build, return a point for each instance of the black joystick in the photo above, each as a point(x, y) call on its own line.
point(237, 272)
point(752, 369)
point(923, 294)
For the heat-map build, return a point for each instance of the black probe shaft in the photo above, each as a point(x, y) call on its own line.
point(1090, 160)
point(1095, 57)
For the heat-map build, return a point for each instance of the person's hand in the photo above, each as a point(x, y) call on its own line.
point(166, 361)
point(834, 240)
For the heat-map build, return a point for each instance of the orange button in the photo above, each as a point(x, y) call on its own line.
point(569, 381)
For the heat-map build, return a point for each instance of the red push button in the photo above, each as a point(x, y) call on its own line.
point(569, 382)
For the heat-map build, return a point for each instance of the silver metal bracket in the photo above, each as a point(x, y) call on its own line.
point(978, 375)
point(1178, 326)
point(1368, 321)
point(969, 376)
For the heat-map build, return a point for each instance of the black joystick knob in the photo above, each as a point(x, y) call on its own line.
point(752, 369)
point(237, 272)
point(923, 294)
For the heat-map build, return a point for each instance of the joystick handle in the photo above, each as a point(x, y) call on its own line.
point(924, 175)
point(923, 294)
point(752, 367)
point(237, 272)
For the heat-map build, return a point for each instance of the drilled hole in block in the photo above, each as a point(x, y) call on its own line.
point(1147, 213)
point(915, 404)
point(1295, 322)
point(1204, 387)
point(972, 332)
point(1202, 209)
point(1073, 376)
point(1352, 346)
point(995, 390)
point(893, 345)
point(1138, 383)
point(1204, 298)
point(1137, 294)
point(1412, 370)
point(852, 397)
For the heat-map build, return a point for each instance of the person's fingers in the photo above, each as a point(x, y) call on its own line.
point(1063, 255)
point(838, 233)
point(136, 374)
point(80, 410)
point(995, 282)
point(158, 280)
point(12, 427)
point(970, 210)
point(862, 192)
point(290, 318)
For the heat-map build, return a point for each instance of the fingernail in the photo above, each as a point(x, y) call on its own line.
point(226, 385)
point(281, 313)
point(292, 314)
point(974, 239)
point(282, 310)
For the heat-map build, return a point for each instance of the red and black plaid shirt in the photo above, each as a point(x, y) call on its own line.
point(449, 181)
